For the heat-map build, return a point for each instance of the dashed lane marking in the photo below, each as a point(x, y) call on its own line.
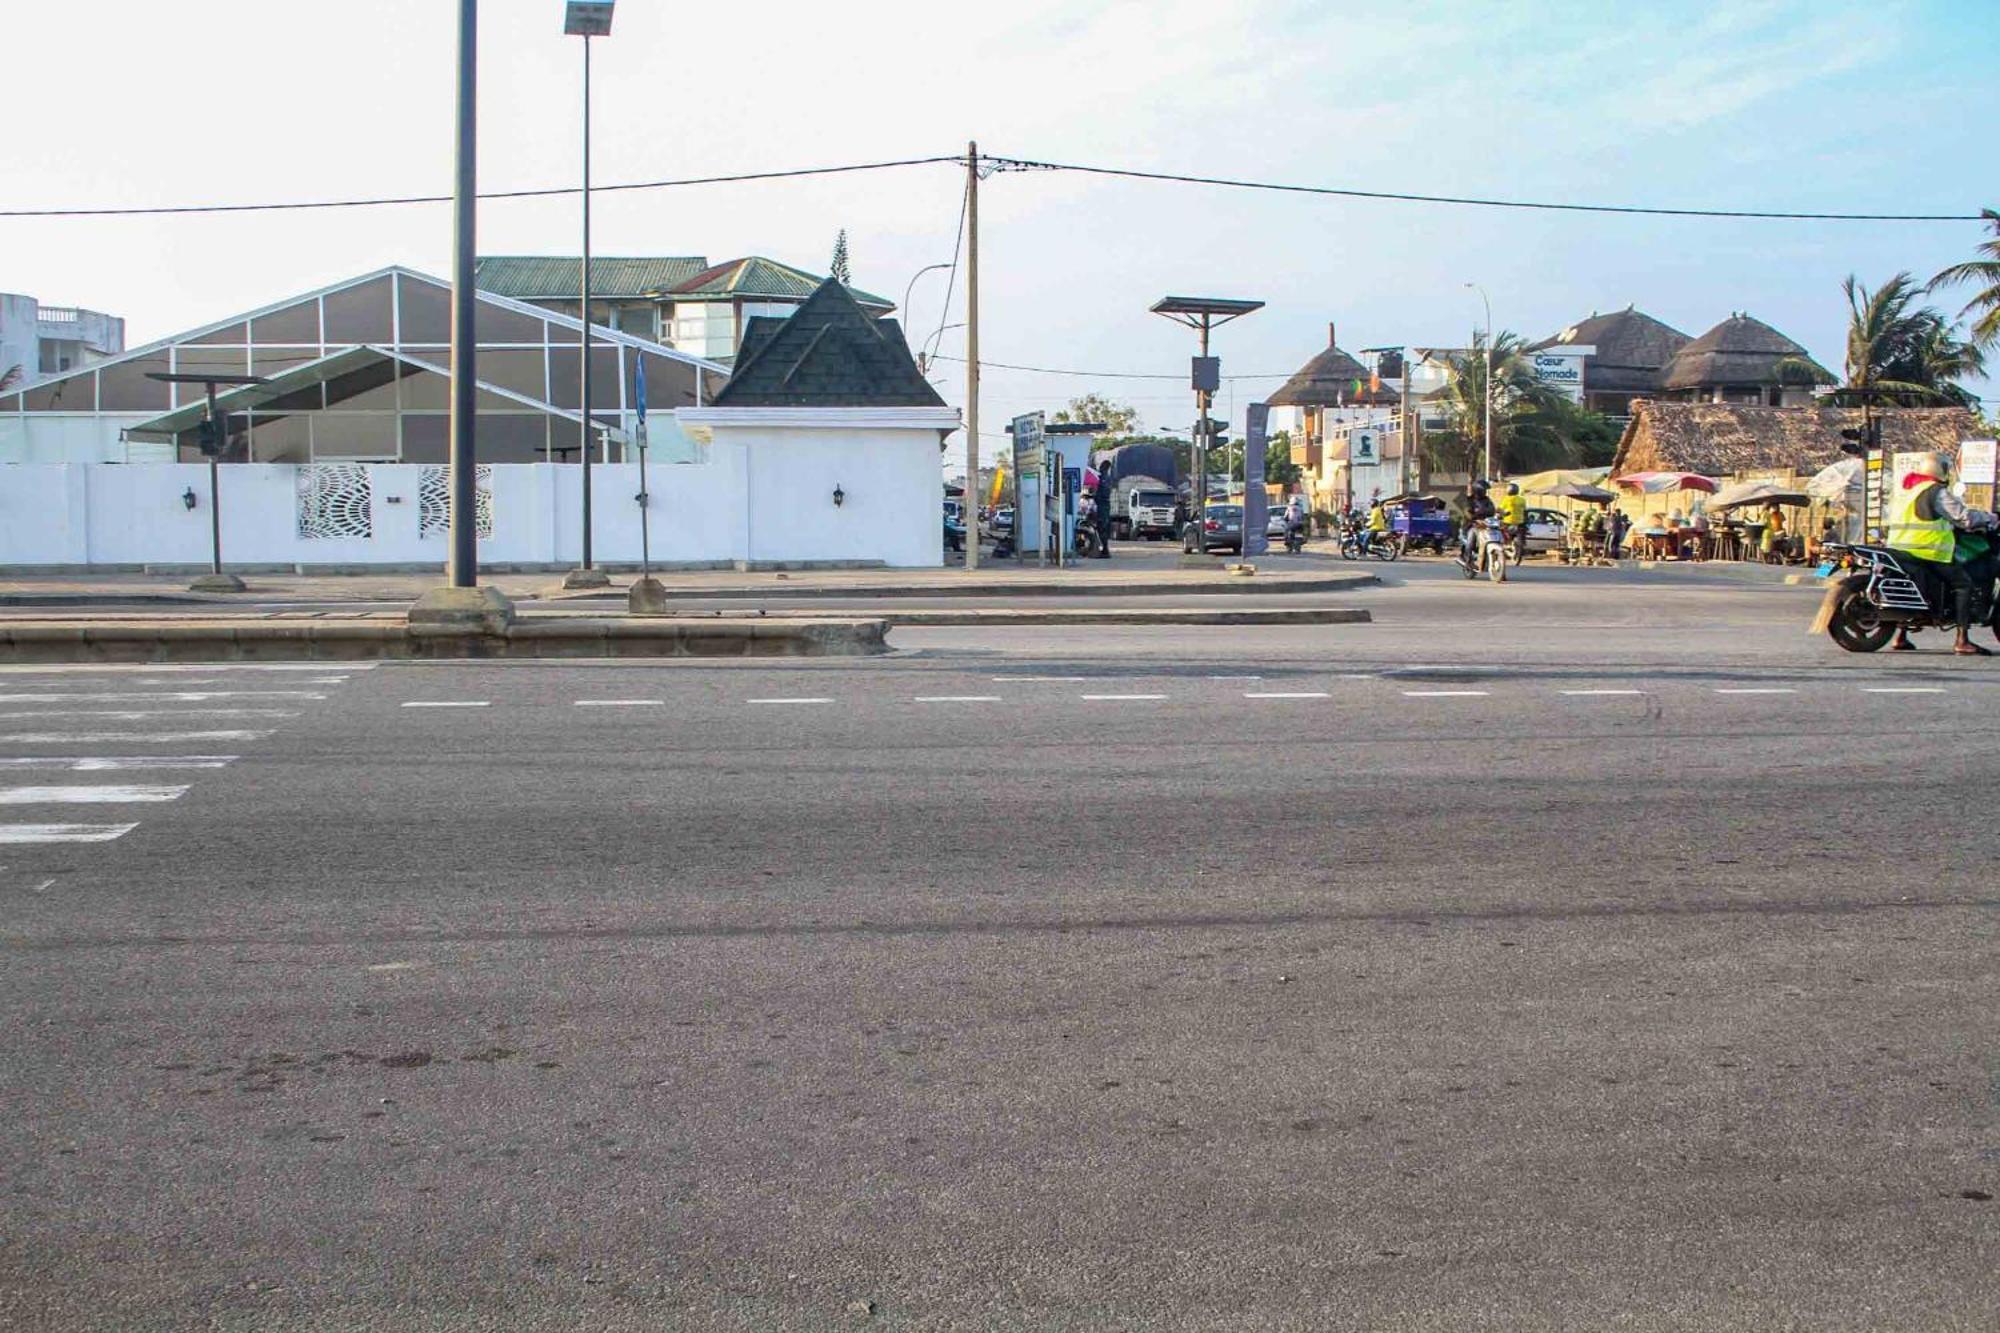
point(447, 703)
point(125, 737)
point(1756, 689)
point(620, 703)
point(1587, 694)
point(1902, 689)
point(1445, 694)
point(115, 763)
point(788, 701)
point(142, 714)
point(167, 668)
point(1286, 694)
point(1120, 698)
point(36, 833)
point(1004, 680)
point(1236, 678)
point(958, 698)
point(112, 795)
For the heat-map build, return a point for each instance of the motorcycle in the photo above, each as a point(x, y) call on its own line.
point(1295, 538)
point(1356, 542)
point(1488, 553)
point(1887, 590)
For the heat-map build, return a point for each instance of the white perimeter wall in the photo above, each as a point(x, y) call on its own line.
point(764, 495)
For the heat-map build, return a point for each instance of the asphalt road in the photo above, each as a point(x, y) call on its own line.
point(1536, 957)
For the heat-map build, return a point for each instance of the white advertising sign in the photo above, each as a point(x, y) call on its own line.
point(1976, 460)
point(1561, 369)
point(1364, 448)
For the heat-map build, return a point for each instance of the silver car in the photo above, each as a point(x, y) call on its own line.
point(1222, 529)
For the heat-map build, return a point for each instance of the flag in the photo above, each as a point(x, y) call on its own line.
point(1375, 381)
point(999, 486)
point(1089, 477)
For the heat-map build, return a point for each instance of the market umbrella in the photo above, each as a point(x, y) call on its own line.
point(1659, 483)
point(1545, 483)
point(1758, 493)
point(1577, 490)
point(1835, 480)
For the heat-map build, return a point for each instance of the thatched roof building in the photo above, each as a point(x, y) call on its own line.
point(1333, 379)
point(1744, 360)
point(1633, 350)
point(1721, 439)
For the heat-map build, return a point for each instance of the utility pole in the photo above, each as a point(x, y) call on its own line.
point(972, 352)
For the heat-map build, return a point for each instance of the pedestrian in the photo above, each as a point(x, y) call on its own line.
point(1615, 524)
point(1102, 496)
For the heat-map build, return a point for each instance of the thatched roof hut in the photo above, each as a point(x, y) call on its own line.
point(1330, 380)
point(1741, 353)
point(1633, 349)
point(1721, 439)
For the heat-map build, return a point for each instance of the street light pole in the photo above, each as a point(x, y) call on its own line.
point(1487, 384)
point(586, 20)
point(214, 438)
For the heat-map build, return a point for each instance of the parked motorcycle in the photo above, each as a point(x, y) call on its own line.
point(1886, 590)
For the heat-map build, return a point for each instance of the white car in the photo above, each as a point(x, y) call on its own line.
point(1547, 530)
point(1275, 524)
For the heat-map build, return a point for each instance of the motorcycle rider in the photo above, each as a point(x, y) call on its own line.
point(1295, 520)
point(1514, 520)
point(1478, 508)
point(1377, 529)
point(1925, 519)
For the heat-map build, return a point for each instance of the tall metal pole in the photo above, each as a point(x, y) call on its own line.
point(464, 347)
point(1488, 386)
point(1201, 404)
point(584, 392)
point(972, 353)
point(214, 507)
point(1403, 482)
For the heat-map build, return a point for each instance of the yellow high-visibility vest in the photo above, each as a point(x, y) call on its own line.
point(1925, 538)
point(1514, 510)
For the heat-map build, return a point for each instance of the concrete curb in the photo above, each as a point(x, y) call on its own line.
point(1311, 615)
point(349, 640)
point(1221, 583)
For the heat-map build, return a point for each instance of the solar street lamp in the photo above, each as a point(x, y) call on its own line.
point(586, 19)
point(209, 434)
point(1203, 313)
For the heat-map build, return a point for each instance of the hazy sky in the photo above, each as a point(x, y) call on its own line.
point(1814, 105)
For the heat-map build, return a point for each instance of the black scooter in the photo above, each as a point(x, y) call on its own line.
point(1886, 590)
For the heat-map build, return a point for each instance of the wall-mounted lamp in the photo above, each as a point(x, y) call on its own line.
point(188, 498)
point(839, 496)
point(641, 499)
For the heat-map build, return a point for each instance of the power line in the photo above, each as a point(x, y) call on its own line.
point(391, 200)
point(1024, 164)
point(1101, 374)
point(950, 278)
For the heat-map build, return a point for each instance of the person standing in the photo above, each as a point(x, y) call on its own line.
point(1102, 496)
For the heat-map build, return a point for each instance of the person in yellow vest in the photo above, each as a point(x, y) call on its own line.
point(1925, 519)
point(1514, 520)
point(1772, 543)
point(1378, 524)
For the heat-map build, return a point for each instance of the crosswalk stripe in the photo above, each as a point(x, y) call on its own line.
point(124, 737)
point(154, 696)
point(142, 714)
point(116, 795)
point(34, 833)
point(113, 763)
point(447, 703)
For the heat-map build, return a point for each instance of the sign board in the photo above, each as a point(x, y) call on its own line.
point(1256, 500)
point(1029, 433)
point(1976, 462)
point(1561, 368)
point(1364, 447)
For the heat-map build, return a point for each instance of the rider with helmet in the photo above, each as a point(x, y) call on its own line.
point(1925, 520)
point(1514, 520)
point(1478, 508)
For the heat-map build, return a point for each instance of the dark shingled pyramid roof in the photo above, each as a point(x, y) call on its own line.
point(1633, 349)
point(828, 353)
point(1741, 351)
point(1328, 381)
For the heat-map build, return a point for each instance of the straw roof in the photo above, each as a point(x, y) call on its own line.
point(1633, 349)
point(1717, 439)
point(1328, 381)
point(1741, 351)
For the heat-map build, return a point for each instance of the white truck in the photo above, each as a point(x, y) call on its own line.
point(1142, 507)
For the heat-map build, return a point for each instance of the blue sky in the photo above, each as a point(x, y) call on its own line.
point(1810, 106)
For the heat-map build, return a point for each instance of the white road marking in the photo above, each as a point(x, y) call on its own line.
point(1120, 698)
point(163, 668)
point(1236, 678)
point(447, 703)
point(34, 833)
point(120, 737)
point(788, 701)
point(43, 887)
point(1902, 689)
point(151, 696)
point(141, 714)
point(1286, 694)
point(1584, 694)
point(958, 698)
point(1758, 690)
point(620, 703)
point(89, 795)
point(1005, 679)
point(1444, 694)
point(95, 764)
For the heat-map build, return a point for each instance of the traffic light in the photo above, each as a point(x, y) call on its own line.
point(1389, 365)
point(1862, 440)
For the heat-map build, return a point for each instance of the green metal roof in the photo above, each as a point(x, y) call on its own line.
point(754, 276)
point(555, 277)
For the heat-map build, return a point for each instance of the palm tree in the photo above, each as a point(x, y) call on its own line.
point(9, 378)
point(1984, 274)
point(1899, 354)
point(1531, 429)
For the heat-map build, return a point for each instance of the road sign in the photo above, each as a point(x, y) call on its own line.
point(1364, 447)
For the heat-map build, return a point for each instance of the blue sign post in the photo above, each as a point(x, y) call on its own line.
point(1257, 420)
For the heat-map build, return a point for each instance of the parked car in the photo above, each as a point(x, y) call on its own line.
point(1548, 530)
point(1274, 524)
point(1222, 528)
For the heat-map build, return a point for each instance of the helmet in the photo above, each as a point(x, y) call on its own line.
point(1513, 488)
point(1479, 486)
point(1932, 465)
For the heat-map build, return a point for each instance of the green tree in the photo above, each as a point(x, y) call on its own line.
point(1533, 426)
point(1118, 418)
point(1983, 275)
point(1279, 469)
point(1900, 354)
point(840, 269)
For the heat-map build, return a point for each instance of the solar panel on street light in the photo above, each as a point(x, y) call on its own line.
point(587, 18)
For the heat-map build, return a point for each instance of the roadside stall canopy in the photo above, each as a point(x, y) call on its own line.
point(1835, 480)
point(1758, 493)
point(1660, 483)
point(1577, 490)
point(1546, 483)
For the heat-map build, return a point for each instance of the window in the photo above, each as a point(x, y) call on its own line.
point(641, 321)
